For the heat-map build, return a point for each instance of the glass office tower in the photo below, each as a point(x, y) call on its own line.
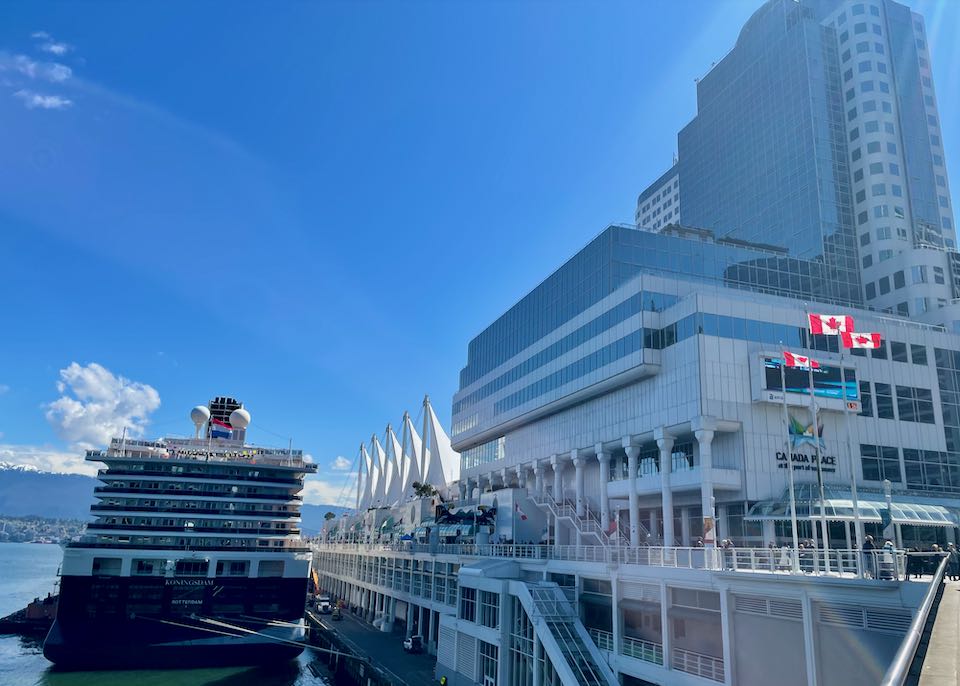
point(819, 133)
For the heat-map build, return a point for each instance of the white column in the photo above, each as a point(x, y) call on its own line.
point(521, 477)
point(665, 444)
point(604, 460)
point(578, 462)
point(632, 453)
point(704, 431)
point(617, 618)
point(556, 462)
point(503, 477)
point(726, 637)
point(685, 526)
point(409, 619)
point(665, 637)
point(538, 478)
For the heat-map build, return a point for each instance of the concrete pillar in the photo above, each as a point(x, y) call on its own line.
point(665, 637)
point(726, 634)
point(386, 623)
point(617, 618)
point(430, 628)
point(556, 462)
point(463, 490)
point(578, 463)
point(685, 526)
point(769, 532)
point(604, 460)
point(665, 444)
point(704, 431)
point(503, 478)
point(538, 478)
point(505, 667)
point(420, 627)
point(846, 532)
point(652, 525)
point(899, 536)
point(521, 477)
point(632, 453)
point(409, 619)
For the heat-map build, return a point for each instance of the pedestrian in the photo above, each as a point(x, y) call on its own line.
point(953, 562)
point(869, 559)
point(786, 563)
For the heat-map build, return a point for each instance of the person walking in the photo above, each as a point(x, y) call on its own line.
point(869, 558)
point(953, 562)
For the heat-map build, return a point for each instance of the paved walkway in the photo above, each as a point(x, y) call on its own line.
point(385, 650)
point(941, 665)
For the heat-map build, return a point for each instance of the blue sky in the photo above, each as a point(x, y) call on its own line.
point(314, 206)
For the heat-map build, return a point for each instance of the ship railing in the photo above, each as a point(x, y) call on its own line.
point(287, 547)
point(885, 565)
point(202, 454)
point(706, 666)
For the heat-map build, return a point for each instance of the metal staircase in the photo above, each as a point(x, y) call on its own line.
point(575, 658)
point(588, 526)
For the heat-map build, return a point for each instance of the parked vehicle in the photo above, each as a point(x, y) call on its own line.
point(414, 644)
point(324, 606)
point(336, 616)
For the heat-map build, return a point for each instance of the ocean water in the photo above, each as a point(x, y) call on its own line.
point(29, 570)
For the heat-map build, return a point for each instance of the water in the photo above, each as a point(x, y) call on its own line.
point(29, 570)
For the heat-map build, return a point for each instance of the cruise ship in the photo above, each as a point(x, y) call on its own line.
point(194, 557)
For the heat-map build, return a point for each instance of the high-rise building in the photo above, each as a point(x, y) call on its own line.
point(819, 133)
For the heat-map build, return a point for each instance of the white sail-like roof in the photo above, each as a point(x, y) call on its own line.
point(411, 450)
point(361, 467)
point(380, 462)
point(394, 468)
point(441, 462)
point(368, 482)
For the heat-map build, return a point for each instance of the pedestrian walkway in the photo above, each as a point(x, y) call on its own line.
point(385, 650)
point(941, 665)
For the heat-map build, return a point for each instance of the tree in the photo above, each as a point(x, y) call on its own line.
point(423, 490)
point(329, 516)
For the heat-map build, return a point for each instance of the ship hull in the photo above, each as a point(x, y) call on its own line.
point(92, 631)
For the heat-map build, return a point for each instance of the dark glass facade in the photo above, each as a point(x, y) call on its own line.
point(613, 258)
point(765, 159)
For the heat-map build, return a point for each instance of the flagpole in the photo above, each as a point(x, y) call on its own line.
point(853, 469)
point(786, 442)
point(819, 454)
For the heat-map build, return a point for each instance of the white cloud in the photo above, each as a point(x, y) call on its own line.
point(3, 389)
point(41, 35)
point(33, 100)
point(56, 48)
point(47, 459)
point(96, 405)
point(48, 71)
point(341, 464)
point(317, 491)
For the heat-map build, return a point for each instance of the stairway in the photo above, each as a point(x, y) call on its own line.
point(575, 657)
point(588, 526)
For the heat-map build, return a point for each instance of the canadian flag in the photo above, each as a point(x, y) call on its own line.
point(860, 340)
point(830, 324)
point(521, 513)
point(793, 360)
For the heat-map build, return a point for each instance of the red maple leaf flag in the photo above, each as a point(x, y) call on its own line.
point(830, 324)
point(794, 360)
point(860, 340)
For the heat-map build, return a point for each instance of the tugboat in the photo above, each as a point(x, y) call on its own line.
point(194, 557)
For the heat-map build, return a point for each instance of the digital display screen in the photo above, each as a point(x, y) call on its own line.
point(827, 381)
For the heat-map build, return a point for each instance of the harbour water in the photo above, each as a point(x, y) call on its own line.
point(29, 570)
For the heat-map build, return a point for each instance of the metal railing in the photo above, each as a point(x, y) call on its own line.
point(886, 565)
point(903, 666)
point(707, 666)
point(603, 639)
point(648, 651)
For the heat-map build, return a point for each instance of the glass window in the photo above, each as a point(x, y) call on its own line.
point(918, 354)
point(884, 284)
point(866, 399)
point(899, 281)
